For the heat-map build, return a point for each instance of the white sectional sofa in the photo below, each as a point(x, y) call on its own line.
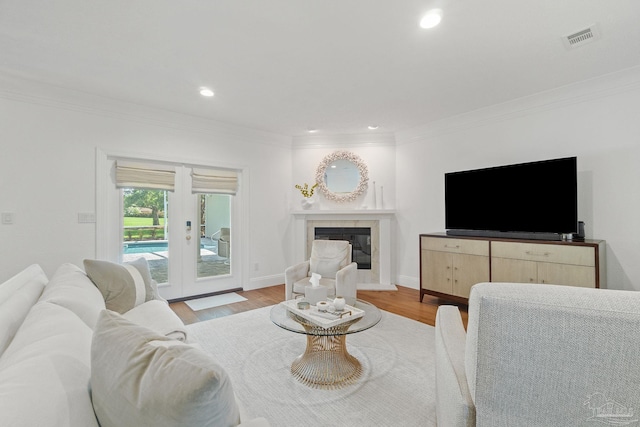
point(66, 361)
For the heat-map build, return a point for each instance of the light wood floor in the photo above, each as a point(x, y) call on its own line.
point(404, 301)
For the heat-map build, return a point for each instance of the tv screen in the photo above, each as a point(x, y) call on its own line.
point(536, 197)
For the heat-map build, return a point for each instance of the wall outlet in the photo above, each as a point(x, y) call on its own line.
point(7, 217)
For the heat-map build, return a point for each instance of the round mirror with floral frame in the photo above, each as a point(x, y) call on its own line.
point(342, 176)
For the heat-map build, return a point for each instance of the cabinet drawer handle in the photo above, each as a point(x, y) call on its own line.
point(452, 247)
point(537, 253)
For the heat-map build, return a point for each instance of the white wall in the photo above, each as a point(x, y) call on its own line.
point(597, 121)
point(47, 169)
point(49, 139)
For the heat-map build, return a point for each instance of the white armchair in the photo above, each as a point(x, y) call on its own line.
point(332, 260)
point(539, 355)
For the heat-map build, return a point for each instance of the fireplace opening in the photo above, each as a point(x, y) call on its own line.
point(359, 237)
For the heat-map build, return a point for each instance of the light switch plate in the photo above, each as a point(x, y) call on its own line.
point(86, 217)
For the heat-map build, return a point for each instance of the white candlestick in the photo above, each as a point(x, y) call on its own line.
point(375, 204)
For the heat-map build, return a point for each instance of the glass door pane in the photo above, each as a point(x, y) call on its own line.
point(215, 235)
point(145, 228)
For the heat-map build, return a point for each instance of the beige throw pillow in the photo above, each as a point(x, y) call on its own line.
point(327, 268)
point(140, 378)
point(123, 286)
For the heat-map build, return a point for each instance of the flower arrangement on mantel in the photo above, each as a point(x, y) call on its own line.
point(306, 191)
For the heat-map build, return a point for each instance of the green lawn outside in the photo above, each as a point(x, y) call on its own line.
point(130, 221)
point(142, 233)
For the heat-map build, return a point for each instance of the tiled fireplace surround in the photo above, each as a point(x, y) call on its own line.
point(380, 222)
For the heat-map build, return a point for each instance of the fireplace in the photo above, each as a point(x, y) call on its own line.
point(376, 245)
point(359, 237)
point(368, 259)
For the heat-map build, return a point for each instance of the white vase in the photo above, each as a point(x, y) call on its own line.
point(339, 303)
point(307, 202)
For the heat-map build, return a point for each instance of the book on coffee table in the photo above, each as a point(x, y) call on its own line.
point(325, 319)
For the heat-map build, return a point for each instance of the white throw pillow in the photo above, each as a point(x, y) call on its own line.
point(141, 378)
point(33, 273)
point(72, 289)
point(17, 296)
point(45, 372)
point(327, 268)
point(159, 317)
point(123, 286)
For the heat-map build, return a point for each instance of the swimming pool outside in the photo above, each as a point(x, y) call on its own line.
point(156, 252)
point(155, 246)
point(145, 247)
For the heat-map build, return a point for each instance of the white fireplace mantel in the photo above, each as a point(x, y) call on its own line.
point(382, 217)
point(351, 213)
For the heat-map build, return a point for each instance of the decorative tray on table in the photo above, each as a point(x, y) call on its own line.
point(325, 319)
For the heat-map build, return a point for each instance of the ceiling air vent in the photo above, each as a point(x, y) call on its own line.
point(581, 37)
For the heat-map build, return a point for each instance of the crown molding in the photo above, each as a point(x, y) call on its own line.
point(588, 90)
point(344, 140)
point(20, 89)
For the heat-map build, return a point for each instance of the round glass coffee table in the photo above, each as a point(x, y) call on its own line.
point(325, 363)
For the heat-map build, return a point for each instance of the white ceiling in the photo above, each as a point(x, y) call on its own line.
point(335, 65)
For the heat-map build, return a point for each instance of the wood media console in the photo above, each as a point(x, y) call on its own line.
point(451, 265)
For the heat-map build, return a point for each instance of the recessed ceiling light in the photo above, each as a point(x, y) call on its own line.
point(431, 19)
point(373, 127)
point(312, 130)
point(205, 91)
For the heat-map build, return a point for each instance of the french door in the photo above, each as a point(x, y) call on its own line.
point(203, 240)
point(188, 234)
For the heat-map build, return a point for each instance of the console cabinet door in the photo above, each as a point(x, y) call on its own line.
point(565, 274)
point(467, 271)
point(513, 270)
point(436, 271)
point(543, 263)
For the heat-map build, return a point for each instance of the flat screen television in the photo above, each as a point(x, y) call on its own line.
point(537, 200)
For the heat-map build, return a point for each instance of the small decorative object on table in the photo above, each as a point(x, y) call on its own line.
point(339, 303)
point(322, 315)
point(314, 292)
point(322, 306)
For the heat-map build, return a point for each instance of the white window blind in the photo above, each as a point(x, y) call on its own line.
point(150, 176)
point(214, 181)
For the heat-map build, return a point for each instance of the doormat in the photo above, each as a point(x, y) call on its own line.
point(214, 301)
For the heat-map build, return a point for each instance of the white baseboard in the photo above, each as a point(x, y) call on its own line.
point(408, 282)
point(278, 279)
point(264, 282)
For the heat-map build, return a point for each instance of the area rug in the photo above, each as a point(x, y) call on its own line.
point(396, 388)
point(214, 301)
point(376, 287)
